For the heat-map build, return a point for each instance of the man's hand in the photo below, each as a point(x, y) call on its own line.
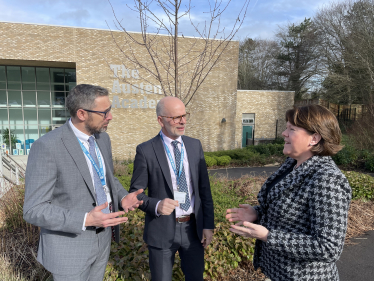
point(97, 218)
point(167, 206)
point(207, 237)
point(250, 230)
point(131, 202)
point(244, 213)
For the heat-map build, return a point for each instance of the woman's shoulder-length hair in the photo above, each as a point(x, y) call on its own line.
point(318, 119)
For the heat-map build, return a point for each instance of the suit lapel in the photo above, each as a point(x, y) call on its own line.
point(159, 149)
point(191, 156)
point(72, 146)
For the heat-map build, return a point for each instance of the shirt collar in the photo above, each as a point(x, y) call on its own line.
point(79, 134)
point(168, 140)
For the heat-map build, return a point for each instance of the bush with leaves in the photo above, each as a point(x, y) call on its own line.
point(369, 163)
point(347, 156)
point(223, 160)
point(362, 185)
point(210, 161)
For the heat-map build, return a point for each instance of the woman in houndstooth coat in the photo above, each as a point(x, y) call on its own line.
point(301, 220)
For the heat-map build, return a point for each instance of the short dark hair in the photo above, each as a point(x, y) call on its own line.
point(318, 119)
point(83, 96)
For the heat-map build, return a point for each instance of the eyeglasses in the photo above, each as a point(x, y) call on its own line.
point(102, 112)
point(178, 119)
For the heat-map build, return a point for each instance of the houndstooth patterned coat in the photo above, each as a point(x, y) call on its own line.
point(306, 215)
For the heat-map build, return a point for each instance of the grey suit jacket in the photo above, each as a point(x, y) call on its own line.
point(58, 194)
point(151, 170)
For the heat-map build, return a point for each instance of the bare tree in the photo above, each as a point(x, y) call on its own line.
point(178, 73)
point(257, 65)
point(347, 47)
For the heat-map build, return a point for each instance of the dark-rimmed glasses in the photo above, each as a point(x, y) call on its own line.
point(178, 119)
point(102, 112)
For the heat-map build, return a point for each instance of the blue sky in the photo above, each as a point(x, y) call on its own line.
point(262, 20)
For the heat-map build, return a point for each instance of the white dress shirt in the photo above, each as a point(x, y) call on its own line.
point(178, 211)
point(83, 138)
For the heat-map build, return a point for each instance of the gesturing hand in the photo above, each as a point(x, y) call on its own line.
point(244, 213)
point(167, 206)
point(130, 202)
point(249, 229)
point(97, 218)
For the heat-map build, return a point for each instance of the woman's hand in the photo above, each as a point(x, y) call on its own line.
point(244, 213)
point(248, 229)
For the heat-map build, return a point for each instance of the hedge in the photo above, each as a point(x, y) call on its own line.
point(362, 185)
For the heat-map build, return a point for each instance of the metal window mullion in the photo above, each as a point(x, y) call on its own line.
point(37, 105)
point(7, 102)
point(23, 115)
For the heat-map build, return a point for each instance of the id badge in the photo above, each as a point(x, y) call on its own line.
point(106, 189)
point(180, 197)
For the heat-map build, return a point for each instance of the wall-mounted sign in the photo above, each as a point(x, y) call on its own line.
point(120, 71)
point(3, 146)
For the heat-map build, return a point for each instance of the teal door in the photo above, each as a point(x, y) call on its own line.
point(249, 130)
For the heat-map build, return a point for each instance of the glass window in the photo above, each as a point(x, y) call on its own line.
point(43, 129)
point(28, 78)
point(42, 78)
point(14, 74)
point(44, 99)
point(29, 99)
point(14, 98)
point(18, 140)
point(42, 75)
point(30, 116)
point(70, 76)
point(44, 116)
point(57, 75)
point(31, 135)
point(58, 99)
point(3, 101)
point(2, 73)
point(59, 116)
point(58, 87)
point(4, 118)
point(15, 116)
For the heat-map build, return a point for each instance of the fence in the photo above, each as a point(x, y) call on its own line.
point(342, 112)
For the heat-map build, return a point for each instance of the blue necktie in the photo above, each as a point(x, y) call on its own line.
point(182, 180)
point(99, 189)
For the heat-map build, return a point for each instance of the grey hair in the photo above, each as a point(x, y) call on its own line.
point(83, 96)
point(160, 108)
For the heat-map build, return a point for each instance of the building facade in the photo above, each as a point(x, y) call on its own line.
point(39, 64)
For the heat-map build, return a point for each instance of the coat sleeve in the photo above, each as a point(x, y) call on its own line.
point(328, 212)
point(139, 180)
point(41, 176)
point(205, 192)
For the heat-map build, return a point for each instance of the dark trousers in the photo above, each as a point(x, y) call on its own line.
point(190, 250)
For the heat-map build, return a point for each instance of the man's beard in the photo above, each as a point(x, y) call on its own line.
point(94, 130)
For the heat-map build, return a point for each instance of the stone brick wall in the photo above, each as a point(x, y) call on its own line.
point(268, 106)
point(93, 51)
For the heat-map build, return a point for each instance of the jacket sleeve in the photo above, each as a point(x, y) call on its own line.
point(139, 180)
point(328, 211)
point(205, 193)
point(41, 176)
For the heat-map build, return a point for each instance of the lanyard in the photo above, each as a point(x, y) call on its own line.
point(100, 171)
point(172, 161)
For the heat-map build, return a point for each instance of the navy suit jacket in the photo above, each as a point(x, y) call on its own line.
point(151, 170)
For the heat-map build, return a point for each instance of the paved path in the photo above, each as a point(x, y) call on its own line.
point(356, 262)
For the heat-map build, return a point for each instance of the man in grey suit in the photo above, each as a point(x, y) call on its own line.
point(179, 207)
point(71, 193)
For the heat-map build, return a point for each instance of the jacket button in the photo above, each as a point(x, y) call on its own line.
point(94, 204)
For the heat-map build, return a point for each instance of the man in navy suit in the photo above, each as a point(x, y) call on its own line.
point(179, 206)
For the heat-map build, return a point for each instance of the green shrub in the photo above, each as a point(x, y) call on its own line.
point(369, 163)
point(347, 156)
point(362, 185)
point(125, 180)
point(130, 168)
point(210, 161)
point(267, 149)
point(223, 160)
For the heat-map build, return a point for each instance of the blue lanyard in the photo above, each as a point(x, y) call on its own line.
point(99, 172)
point(172, 161)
